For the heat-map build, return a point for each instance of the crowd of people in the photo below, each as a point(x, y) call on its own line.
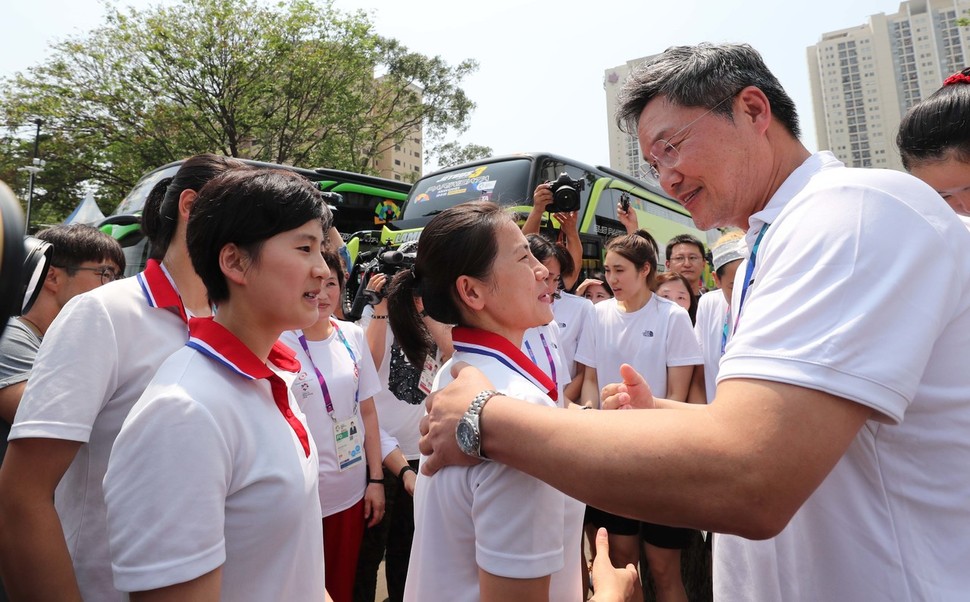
point(214, 429)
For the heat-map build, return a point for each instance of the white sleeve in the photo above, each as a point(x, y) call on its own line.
point(518, 523)
point(165, 492)
point(839, 302)
point(70, 382)
point(370, 383)
point(388, 444)
point(586, 350)
point(682, 347)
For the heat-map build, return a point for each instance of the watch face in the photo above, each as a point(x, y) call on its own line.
point(467, 439)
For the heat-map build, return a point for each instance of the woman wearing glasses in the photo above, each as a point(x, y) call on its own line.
point(97, 359)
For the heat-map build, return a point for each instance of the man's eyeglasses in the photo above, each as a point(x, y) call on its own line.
point(686, 259)
point(107, 273)
point(665, 153)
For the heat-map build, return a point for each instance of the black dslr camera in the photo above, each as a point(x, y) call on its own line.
point(565, 194)
point(383, 261)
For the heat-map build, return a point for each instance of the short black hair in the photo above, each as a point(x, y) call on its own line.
point(159, 216)
point(75, 244)
point(684, 239)
point(246, 207)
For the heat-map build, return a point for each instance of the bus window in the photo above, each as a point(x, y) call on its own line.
point(502, 182)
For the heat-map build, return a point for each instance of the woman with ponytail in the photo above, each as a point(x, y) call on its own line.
point(484, 532)
point(96, 360)
point(934, 141)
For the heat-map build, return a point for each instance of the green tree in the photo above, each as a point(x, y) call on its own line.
point(454, 153)
point(293, 82)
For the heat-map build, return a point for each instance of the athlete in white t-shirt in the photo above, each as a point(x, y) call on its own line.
point(96, 360)
point(335, 390)
point(485, 532)
point(211, 488)
point(653, 335)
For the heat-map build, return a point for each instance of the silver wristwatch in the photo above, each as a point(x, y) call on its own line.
point(468, 433)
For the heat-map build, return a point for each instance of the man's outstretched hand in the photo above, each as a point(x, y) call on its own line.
point(632, 393)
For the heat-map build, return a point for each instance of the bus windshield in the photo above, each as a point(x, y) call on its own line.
point(503, 182)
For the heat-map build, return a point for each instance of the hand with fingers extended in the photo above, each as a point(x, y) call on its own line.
point(612, 584)
point(568, 220)
point(445, 408)
point(632, 393)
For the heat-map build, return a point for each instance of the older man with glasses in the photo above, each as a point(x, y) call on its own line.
point(834, 455)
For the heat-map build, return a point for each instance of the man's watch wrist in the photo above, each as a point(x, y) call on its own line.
point(469, 430)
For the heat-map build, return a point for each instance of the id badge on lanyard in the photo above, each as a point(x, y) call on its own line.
point(348, 439)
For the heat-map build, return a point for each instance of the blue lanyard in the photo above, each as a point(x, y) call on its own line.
point(552, 363)
point(328, 401)
point(725, 329)
point(748, 280)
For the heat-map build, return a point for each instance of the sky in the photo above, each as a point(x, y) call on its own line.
point(539, 86)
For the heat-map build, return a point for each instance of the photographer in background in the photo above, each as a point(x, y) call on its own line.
point(542, 198)
point(83, 259)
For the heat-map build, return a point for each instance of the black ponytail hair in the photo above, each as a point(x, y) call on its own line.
point(459, 241)
point(160, 215)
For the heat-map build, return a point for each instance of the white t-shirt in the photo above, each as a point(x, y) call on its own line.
point(339, 490)
point(712, 314)
point(656, 336)
point(398, 418)
point(210, 470)
point(862, 289)
point(543, 346)
point(571, 313)
point(96, 360)
point(966, 220)
point(491, 516)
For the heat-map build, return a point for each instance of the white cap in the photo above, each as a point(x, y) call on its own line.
point(728, 251)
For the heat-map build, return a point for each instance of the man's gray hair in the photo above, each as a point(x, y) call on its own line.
point(702, 76)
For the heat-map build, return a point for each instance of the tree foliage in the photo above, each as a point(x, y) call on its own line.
point(454, 153)
point(296, 82)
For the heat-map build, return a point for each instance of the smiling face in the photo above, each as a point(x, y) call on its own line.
point(676, 292)
point(284, 283)
point(950, 178)
point(515, 296)
point(623, 276)
point(716, 176)
point(552, 280)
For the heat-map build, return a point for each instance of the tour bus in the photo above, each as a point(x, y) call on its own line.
point(510, 180)
point(365, 204)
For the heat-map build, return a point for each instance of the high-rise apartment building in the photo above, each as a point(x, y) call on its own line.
point(624, 148)
point(864, 78)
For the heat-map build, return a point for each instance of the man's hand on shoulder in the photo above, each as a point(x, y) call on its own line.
point(445, 408)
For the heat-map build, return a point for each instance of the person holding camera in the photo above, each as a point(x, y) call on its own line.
point(832, 461)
